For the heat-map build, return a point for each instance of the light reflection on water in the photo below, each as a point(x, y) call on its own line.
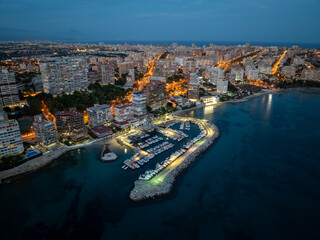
point(269, 106)
point(219, 196)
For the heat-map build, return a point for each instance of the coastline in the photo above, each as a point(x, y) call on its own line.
point(230, 101)
point(39, 162)
point(149, 189)
point(46, 159)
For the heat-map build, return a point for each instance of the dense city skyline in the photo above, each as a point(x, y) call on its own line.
point(197, 20)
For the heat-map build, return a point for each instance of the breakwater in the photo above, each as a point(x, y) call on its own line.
point(149, 189)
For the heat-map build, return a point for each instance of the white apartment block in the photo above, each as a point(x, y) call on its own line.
point(10, 138)
point(123, 112)
point(8, 89)
point(139, 103)
point(64, 74)
point(222, 85)
point(99, 115)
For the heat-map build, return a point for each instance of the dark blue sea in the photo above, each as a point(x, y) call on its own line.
point(218, 43)
point(260, 180)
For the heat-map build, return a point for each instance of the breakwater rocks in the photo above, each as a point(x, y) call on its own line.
point(147, 189)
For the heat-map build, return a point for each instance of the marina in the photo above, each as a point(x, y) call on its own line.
point(158, 143)
point(159, 181)
point(171, 145)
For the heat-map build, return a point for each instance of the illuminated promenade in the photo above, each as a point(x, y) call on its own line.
point(162, 183)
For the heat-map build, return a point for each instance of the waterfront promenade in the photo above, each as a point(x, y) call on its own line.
point(162, 183)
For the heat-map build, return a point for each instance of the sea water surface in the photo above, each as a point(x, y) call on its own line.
point(260, 180)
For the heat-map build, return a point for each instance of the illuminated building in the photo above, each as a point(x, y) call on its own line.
point(8, 89)
point(310, 74)
point(107, 73)
point(139, 103)
point(189, 66)
point(213, 74)
point(101, 131)
point(63, 74)
point(125, 67)
point(99, 115)
point(10, 136)
point(238, 73)
point(194, 78)
point(193, 91)
point(138, 63)
point(210, 100)
point(45, 131)
point(130, 78)
point(123, 113)
point(222, 85)
point(156, 91)
point(298, 61)
point(264, 68)
point(71, 123)
point(94, 77)
point(288, 71)
point(252, 72)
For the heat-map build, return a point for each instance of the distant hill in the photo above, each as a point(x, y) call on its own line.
point(10, 34)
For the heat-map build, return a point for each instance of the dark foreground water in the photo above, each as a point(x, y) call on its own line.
point(260, 180)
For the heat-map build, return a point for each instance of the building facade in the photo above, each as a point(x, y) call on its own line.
point(139, 100)
point(64, 74)
point(8, 89)
point(123, 113)
point(156, 91)
point(45, 132)
point(210, 100)
point(99, 115)
point(10, 137)
point(125, 67)
point(107, 73)
point(193, 91)
point(222, 85)
point(69, 121)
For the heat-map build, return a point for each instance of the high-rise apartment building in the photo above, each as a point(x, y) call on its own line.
point(222, 85)
point(99, 115)
point(107, 73)
point(123, 113)
point(139, 103)
point(213, 74)
point(156, 91)
point(10, 136)
point(193, 91)
point(71, 124)
point(63, 74)
point(8, 89)
point(125, 67)
point(130, 78)
point(69, 121)
point(238, 73)
point(45, 132)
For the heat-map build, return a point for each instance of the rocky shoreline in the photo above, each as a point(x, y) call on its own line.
point(39, 162)
point(144, 190)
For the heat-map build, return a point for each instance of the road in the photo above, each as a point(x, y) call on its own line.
point(275, 67)
point(148, 74)
point(232, 61)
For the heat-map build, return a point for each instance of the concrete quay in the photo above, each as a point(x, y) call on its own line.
point(162, 183)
